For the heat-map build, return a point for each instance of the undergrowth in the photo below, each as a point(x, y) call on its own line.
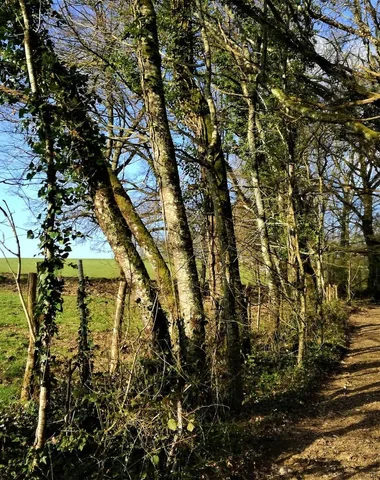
point(122, 429)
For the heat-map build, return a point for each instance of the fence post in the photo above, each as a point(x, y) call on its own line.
point(84, 353)
point(30, 367)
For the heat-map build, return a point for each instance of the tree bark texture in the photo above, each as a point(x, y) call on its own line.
point(164, 282)
point(119, 237)
point(372, 243)
point(179, 239)
point(117, 325)
point(296, 270)
point(200, 116)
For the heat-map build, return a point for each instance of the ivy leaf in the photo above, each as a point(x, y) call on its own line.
point(190, 427)
point(30, 234)
point(172, 424)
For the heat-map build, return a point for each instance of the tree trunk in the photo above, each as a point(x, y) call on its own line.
point(180, 246)
point(119, 237)
point(199, 114)
point(145, 240)
point(270, 267)
point(117, 326)
point(214, 265)
point(297, 277)
point(47, 287)
point(345, 238)
point(373, 245)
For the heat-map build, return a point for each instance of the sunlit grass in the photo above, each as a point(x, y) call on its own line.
point(14, 337)
point(93, 267)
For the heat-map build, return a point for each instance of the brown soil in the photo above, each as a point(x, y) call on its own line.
point(102, 287)
point(340, 438)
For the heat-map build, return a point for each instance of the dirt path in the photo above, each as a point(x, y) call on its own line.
point(341, 440)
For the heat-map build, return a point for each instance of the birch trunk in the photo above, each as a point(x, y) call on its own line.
point(296, 268)
point(270, 267)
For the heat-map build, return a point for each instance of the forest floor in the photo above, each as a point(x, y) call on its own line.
point(338, 435)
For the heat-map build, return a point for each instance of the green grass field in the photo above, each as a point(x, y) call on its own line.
point(93, 267)
point(14, 337)
point(14, 332)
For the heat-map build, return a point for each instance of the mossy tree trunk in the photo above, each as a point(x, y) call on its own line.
point(180, 247)
point(119, 237)
point(117, 325)
point(370, 238)
point(199, 115)
point(165, 284)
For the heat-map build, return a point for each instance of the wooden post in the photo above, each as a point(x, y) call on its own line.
point(84, 358)
point(27, 384)
point(118, 322)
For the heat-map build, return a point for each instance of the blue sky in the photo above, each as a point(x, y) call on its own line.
point(25, 220)
point(23, 205)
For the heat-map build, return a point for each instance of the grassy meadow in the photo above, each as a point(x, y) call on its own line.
point(14, 337)
point(93, 267)
point(14, 331)
point(13, 327)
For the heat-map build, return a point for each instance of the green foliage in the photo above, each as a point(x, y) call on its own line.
point(16, 436)
point(273, 379)
point(107, 433)
point(120, 431)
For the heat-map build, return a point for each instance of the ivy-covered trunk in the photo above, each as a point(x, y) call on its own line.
point(86, 162)
point(31, 373)
point(50, 289)
point(84, 344)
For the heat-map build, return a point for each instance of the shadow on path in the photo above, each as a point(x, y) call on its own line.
point(340, 436)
